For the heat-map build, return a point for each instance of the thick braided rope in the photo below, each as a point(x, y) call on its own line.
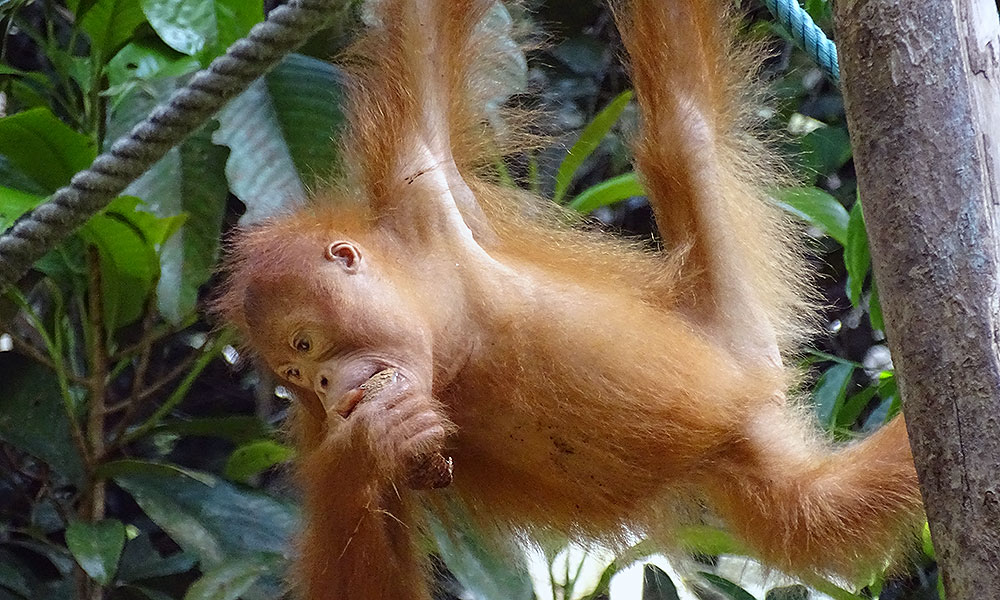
point(167, 125)
point(807, 35)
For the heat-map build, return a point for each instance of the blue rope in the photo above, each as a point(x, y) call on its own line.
point(807, 35)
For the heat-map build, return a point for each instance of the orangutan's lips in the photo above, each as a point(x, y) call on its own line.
point(345, 406)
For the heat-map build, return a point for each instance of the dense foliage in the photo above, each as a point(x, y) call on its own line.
point(136, 461)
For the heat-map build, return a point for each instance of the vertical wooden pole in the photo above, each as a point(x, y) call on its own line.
point(922, 88)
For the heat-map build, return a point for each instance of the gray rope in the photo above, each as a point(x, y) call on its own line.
point(807, 35)
point(167, 125)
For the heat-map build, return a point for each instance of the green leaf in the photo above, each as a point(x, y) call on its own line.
point(926, 543)
point(875, 308)
point(205, 515)
point(831, 389)
point(140, 560)
point(188, 26)
point(656, 585)
point(97, 547)
point(147, 60)
point(234, 19)
point(202, 27)
point(110, 23)
point(254, 458)
point(484, 574)
point(588, 141)
point(79, 68)
point(44, 148)
point(198, 190)
point(279, 134)
point(13, 178)
point(14, 203)
point(126, 239)
point(608, 192)
point(826, 149)
point(232, 578)
point(33, 417)
point(818, 208)
point(854, 406)
point(888, 390)
point(857, 258)
point(819, 10)
point(730, 589)
point(188, 181)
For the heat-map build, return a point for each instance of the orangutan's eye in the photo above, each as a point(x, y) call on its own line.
point(292, 374)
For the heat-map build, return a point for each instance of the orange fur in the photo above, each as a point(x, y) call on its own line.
point(581, 384)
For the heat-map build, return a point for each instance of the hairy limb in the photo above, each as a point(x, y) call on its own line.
point(411, 109)
point(355, 521)
point(689, 83)
point(802, 505)
point(357, 515)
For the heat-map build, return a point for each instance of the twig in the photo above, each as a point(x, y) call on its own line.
point(145, 394)
point(139, 379)
point(91, 507)
point(59, 366)
point(209, 352)
point(34, 353)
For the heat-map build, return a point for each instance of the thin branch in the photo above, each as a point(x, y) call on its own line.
point(154, 336)
point(139, 378)
point(31, 351)
point(98, 356)
point(209, 352)
point(59, 366)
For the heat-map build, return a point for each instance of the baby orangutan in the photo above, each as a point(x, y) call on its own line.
point(578, 383)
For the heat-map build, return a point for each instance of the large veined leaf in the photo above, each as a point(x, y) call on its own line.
point(189, 180)
point(32, 416)
point(14, 203)
point(831, 391)
point(109, 23)
point(139, 62)
point(12, 177)
point(207, 516)
point(826, 149)
point(141, 560)
point(127, 237)
point(280, 134)
point(44, 148)
point(206, 27)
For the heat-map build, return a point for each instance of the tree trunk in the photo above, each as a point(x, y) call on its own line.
point(922, 88)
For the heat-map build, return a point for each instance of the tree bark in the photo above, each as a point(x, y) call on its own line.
point(922, 88)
